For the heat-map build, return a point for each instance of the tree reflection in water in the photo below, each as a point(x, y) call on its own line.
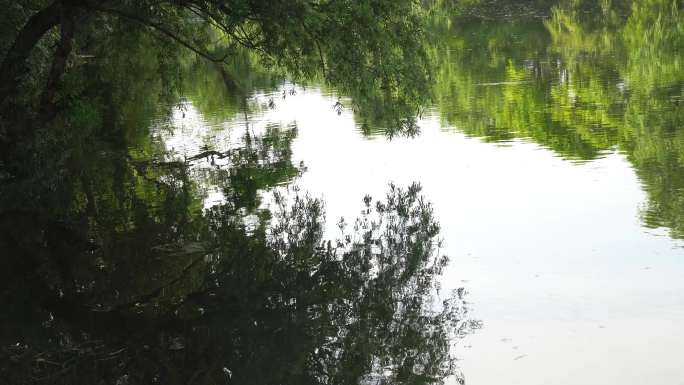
point(136, 283)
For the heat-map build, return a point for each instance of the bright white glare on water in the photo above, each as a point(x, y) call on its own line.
point(553, 254)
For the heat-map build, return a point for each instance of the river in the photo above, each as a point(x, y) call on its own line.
point(551, 160)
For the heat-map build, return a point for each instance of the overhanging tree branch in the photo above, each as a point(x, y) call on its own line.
point(158, 27)
point(13, 65)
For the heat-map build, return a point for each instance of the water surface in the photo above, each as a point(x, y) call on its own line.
point(194, 230)
point(553, 157)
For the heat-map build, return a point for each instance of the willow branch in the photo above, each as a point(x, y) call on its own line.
point(160, 28)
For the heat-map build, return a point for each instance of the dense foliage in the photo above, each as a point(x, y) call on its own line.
point(371, 49)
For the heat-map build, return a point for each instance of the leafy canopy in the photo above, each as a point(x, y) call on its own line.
point(372, 49)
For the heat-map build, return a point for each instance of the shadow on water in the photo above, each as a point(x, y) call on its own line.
point(177, 298)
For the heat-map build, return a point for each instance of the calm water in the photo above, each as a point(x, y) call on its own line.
point(556, 179)
point(553, 157)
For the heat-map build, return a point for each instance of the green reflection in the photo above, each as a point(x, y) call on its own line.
point(590, 78)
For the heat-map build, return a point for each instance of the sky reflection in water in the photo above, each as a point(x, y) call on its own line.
point(553, 252)
point(553, 160)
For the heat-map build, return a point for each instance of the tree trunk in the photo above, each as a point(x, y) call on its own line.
point(229, 80)
point(60, 58)
point(13, 66)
